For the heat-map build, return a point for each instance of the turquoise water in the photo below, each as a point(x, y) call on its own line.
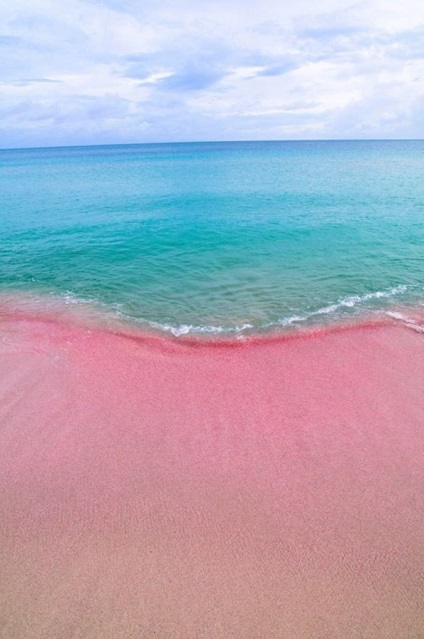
point(218, 236)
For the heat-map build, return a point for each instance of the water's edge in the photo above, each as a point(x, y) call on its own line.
point(63, 309)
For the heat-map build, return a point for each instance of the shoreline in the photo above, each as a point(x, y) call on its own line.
point(46, 309)
point(152, 488)
point(97, 315)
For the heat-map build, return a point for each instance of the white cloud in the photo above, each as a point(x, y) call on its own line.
point(88, 71)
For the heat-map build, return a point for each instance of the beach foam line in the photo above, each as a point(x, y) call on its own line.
point(83, 314)
point(350, 302)
point(409, 322)
point(345, 309)
point(148, 487)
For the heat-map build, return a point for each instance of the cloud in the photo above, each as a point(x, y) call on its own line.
point(96, 71)
point(278, 69)
point(11, 41)
point(24, 82)
point(191, 80)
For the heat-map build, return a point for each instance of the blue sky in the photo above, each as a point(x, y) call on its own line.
point(112, 71)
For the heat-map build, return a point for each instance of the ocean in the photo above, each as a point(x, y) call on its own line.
point(216, 238)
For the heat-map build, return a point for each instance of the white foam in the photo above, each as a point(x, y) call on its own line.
point(92, 308)
point(345, 302)
point(407, 321)
point(186, 329)
point(179, 330)
point(353, 300)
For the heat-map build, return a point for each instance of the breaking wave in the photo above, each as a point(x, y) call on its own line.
point(92, 310)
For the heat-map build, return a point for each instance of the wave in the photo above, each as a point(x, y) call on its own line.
point(348, 302)
point(345, 302)
point(409, 322)
point(93, 310)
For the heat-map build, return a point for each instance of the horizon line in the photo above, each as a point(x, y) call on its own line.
point(162, 143)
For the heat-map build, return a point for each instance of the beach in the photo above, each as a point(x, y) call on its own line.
point(179, 488)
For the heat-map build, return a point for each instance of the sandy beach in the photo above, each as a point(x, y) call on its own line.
point(152, 487)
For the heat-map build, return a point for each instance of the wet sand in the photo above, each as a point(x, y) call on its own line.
point(161, 488)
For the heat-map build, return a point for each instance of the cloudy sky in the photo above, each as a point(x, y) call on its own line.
point(110, 71)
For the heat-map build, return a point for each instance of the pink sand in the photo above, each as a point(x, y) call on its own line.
point(155, 488)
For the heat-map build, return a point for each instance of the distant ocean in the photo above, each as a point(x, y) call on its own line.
point(216, 238)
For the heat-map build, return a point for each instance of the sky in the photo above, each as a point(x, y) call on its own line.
point(131, 71)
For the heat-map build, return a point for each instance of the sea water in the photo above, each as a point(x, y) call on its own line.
point(217, 238)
